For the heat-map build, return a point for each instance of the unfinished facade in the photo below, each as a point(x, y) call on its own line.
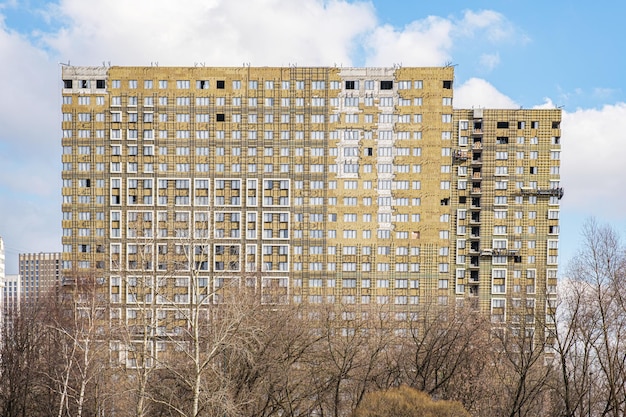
point(359, 186)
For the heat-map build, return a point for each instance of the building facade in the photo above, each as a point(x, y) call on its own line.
point(359, 186)
point(40, 275)
point(10, 301)
point(2, 277)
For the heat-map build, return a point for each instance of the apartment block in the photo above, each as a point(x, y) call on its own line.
point(2, 278)
point(40, 275)
point(10, 301)
point(355, 186)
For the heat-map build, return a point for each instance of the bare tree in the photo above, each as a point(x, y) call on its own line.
point(23, 338)
point(82, 348)
point(591, 333)
point(446, 351)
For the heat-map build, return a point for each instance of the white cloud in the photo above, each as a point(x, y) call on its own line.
point(547, 104)
point(477, 92)
point(422, 43)
point(593, 149)
point(603, 93)
point(430, 41)
point(489, 61)
point(217, 32)
point(29, 147)
point(493, 25)
point(29, 84)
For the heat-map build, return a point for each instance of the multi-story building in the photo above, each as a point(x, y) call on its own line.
point(359, 186)
point(2, 278)
point(2, 260)
point(10, 300)
point(40, 275)
point(505, 215)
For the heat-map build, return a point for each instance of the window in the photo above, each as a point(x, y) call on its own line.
point(386, 85)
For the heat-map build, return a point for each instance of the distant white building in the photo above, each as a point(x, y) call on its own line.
point(10, 298)
point(2, 277)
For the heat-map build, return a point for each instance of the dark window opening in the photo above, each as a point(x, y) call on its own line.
point(100, 84)
point(521, 125)
point(369, 151)
point(478, 125)
point(556, 125)
point(67, 83)
point(447, 84)
point(533, 170)
point(445, 202)
point(203, 84)
point(503, 125)
point(386, 85)
point(84, 84)
point(349, 85)
point(462, 200)
point(221, 84)
point(502, 140)
point(517, 259)
point(220, 117)
point(534, 125)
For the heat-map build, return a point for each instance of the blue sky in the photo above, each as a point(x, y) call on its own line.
point(507, 54)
